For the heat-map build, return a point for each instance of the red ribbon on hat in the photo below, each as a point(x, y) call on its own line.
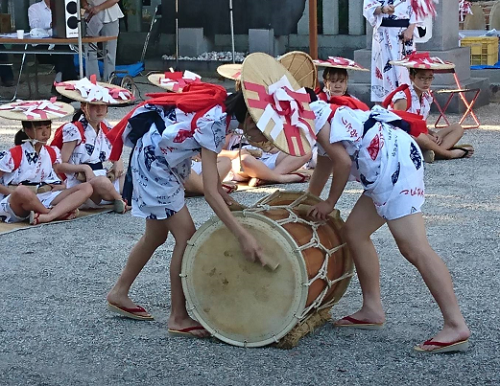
point(178, 81)
point(424, 59)
point(286, 110)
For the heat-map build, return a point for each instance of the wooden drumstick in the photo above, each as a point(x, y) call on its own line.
point(236, 206)
point(271, 265)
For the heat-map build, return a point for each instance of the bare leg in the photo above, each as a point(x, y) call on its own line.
point(360, 225)
point(182, 227)
point(194, 183)
point(410, 236)
point(322, 172)
point(67, 201)
point(257, 169)
point(103, 190)
point(22, 201)
point(155, 235)
point(426, 143)
point(286, 163)
point(450, 135)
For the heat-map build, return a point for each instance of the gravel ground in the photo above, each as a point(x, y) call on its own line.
point(55, 329)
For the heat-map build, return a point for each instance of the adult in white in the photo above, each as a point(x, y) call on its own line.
point(103, 19)
point(40, 17)
point(393, 32)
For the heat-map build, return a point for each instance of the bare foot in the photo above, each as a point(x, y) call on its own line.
point(374, 317)
point(123, 301)
point(40, 218)
point(449, 334)
point(462, 152)
point(254, 182)
point(185, 323)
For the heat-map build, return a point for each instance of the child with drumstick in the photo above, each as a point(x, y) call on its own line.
point(375, 148)
point(165, 133)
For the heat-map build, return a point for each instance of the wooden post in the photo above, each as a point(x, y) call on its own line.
point(313, 29)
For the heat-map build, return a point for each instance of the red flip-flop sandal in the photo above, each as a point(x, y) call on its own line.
point(186, 332)
point(229, 188)
point(303, 177)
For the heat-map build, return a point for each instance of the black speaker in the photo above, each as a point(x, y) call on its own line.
point(64, 18)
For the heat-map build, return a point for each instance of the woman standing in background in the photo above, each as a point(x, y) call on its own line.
point(107, 23)
point(393, 31)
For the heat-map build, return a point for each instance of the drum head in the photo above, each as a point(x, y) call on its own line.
point(238, 301)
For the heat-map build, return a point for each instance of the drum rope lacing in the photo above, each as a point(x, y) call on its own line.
point(313, 243)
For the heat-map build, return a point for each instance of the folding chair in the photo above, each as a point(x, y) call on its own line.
point(460, 91)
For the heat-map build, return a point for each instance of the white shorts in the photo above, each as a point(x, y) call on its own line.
point(269, 159)
point(89, 204)
point(196, 167)
point(7, 214)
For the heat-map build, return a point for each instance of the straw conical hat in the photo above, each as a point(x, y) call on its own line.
point(302, 67)
point(339, 62)
point(270, 90)
point(230, 71)
point(174, 81)
point(98, 93)
point(422, 60)
point(35, 111)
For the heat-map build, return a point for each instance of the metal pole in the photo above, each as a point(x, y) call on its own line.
point(232, 26)
point(177, 34)
point(313, 29)
point(80, 44)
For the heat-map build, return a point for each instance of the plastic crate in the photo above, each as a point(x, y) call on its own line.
point(483, 50)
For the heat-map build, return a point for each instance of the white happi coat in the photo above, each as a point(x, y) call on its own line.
point(162, 161)
point(386, 160)
point(420, 106)
point(96, 148)
point(34, 167)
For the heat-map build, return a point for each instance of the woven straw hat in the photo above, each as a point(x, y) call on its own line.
point(35, 111)
point(230, 71)
point(174, 81)
point(302, 67)
point(339, 62)
point(422, 60)
point(97, 93)
point(278, 105)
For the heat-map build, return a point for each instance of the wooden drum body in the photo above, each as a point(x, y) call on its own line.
point(244, 304)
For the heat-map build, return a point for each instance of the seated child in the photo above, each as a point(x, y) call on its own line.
point(416, 98)
point(259, 167)
point(254, 165)
point(29, 186)
point(335, 81)
point(85, 146)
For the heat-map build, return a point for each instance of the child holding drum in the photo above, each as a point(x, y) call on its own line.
point(165, 133)
point(375, 148)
